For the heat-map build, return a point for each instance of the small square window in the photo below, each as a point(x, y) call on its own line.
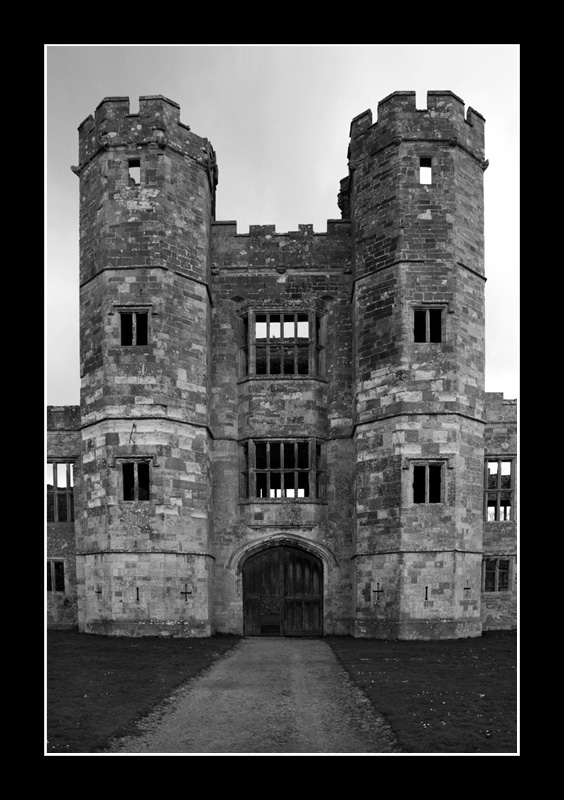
point(136, 480)
point(134, 328)
point(427, 483)
point(428, 325)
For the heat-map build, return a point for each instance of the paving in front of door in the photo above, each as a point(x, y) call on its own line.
point(266, 695)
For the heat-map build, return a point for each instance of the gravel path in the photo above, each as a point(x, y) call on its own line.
point(266, 695)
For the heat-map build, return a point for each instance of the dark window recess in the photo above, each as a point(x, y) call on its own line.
point(136, 480)
point(427, 324)
point(495, 575)
point(427, 483)
point(60, 492)
point(134, 328)
point(55, 576)
point(276, 470)
point(418, 484)
point(425, 170)
point(134, 171)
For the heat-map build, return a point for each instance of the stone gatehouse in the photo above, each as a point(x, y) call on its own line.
point(283, 433)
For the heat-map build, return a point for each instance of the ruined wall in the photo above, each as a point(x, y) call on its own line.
point(295, 272)
point(499, 608)
point(63, 445)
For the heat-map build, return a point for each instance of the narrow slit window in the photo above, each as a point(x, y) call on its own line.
point(419, 325)
point(435, 324)
point(418, 484)
point(134, 171)
point(435, 483)
point(129, 481)
point(245, 468)
point(142, 329)
point(425, 171)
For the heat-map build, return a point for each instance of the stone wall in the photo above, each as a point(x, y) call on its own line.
point(293, 272)
point(63, 444)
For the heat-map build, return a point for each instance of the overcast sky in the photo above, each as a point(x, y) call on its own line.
point(278, 118)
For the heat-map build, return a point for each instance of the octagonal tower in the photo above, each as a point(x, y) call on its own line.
point(147, 188)
point(415, 193)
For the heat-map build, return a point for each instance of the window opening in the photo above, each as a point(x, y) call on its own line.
point(281, 344)
point(136, 480)
point(134, 328)
point(134, 171)
point(500, 490)
point(495, 575)
point(60, 491)
point(280, 469)
point(427, 324)
point(55, 576)
point(425, 170)
point(427, 483)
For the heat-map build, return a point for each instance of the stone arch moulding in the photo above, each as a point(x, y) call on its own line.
point(239, 556)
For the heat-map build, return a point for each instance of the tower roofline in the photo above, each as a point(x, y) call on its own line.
point(398, 118)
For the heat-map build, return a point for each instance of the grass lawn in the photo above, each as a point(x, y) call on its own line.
point(456, 696)
point(438, 697)
point(98, 686)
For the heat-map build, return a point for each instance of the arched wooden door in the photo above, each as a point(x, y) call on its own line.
point(283, 593)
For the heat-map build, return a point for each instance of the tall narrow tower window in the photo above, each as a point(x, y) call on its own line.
point(134, 168)
point(425, 170)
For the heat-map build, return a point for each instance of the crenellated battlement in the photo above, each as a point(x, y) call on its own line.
point(263, 249)
point(157, 124)
point(400, 120)
point(228, 228)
